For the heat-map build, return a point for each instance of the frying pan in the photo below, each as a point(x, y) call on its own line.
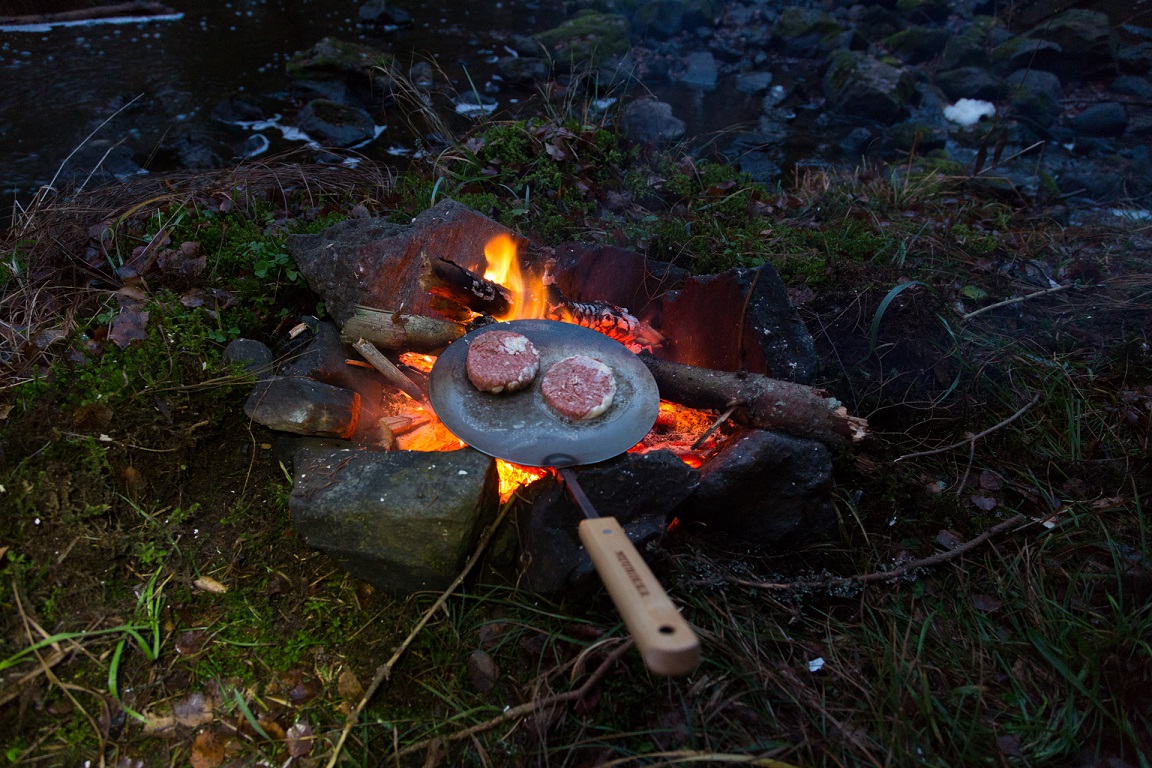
point(519, 427)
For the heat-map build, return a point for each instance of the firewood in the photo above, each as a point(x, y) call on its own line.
point(448, 280)
point(760, 401)
point(389, 371)
point(399, 332)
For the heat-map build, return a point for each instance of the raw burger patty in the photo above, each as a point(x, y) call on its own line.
point(579, 387)
point(501, 361)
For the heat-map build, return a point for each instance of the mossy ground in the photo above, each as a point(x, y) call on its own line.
point(142, 511)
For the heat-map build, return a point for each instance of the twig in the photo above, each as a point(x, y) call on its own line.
point(1006, 302)
point(895, 573)
point(971, 439)
point(389, 371)
point(384, 671)
point(716, 425)
point(536, 705)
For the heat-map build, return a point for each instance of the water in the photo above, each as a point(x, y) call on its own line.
point(58, 86)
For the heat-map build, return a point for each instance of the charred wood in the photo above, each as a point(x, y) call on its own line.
point(448, 280)
point(609, 319)
point(399, 332)
point(759, 401)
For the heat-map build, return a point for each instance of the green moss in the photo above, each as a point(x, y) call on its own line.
point(589, 39)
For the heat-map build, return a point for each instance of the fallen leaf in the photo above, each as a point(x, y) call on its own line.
point(209, 584)
point(299, 739)
point(348, 686)
point(991, 481)
point(207, 750)
point(194, 710)
point(985, 604)
point(128, 326)
point(155, 724)
point(949, 539)
point(986, 503)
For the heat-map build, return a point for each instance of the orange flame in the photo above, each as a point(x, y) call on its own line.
point(513, 476)
point(504, 268)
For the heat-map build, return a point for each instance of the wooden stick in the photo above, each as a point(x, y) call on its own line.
point(895, 573)
point(390, 372)
point(400, 332)
point(763, 402)
point(1016, 300)
point(971, 439)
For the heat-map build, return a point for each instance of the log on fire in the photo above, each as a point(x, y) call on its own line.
point(760, 401)
point(448, 280)
point(399, 332)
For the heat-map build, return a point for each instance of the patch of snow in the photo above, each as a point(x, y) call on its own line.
point(967, 112)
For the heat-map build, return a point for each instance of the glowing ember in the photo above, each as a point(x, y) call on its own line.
point(504, 268)
point(422, 363)
point(513, 476)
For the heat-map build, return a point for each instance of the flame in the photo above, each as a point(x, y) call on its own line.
point(504, 268)
point(513, 476)
point(417, 361)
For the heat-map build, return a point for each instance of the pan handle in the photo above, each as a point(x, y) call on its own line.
point(667, 643)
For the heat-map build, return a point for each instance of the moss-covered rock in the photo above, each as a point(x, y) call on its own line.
point(859, 85)
point(589, 39)
point(333, 58)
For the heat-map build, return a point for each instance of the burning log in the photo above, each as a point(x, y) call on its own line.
point(399, 332)
point(389, 371)
point(448, 280)
point(609, 319)
point(760, 401)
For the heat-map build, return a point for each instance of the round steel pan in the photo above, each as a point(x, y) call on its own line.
point(519, 427)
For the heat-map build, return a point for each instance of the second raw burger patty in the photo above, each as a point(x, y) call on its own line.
point(579, 387)
point(501, 361)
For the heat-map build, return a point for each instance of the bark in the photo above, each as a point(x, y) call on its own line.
point(760, 401)
point(400, 333)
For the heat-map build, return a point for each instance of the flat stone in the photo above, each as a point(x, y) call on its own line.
point(753, 82)
point(700, 70)
point(403, 521)
point(763, 488)
point(649, 121)
point(1102, 119)
point(861, 86)
point(304, 407)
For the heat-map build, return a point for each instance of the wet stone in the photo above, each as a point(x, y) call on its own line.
point(1104, 119)
point(304, 407)
point(254, 356)
point(403, 521)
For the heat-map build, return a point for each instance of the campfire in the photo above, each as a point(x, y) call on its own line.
point(739, 444)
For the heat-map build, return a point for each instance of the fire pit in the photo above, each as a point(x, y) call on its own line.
point(739, 447)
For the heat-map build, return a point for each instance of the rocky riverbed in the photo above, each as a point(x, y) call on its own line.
point(1052, 101)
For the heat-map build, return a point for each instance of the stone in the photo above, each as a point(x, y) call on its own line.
point(1035, 97)
point(969, 83)
point(383, 12)
point(764, 488)
point(334, 124)
point(916, 45)
point(595, 272)
point(647, 121)
point(1084, 45)
point(253, 356)
point(800, 30)
point(668, 18)
point(933, 11)
point(522, 70)
point(753, 82)
point(639, 489)
point(589, 39)
point(404, 521)
point(1107, 118)
point(335, 58)
point(378, 263)
point(1130, 85)
point(700, 70)
point(861, 86)
point(764, 333)
point(482, 671)
point(304, 407)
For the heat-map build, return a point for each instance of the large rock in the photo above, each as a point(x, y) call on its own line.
point(403, 521)
point(738, 320)
point(1083, 45)
point(762, 488)
point(800, 30)
point(334, 58)
point(649, 121)
point(638, 489)
point(667, 18)
point(378, 263)
point(861, 86)
point(334, 124)
point(589, 39)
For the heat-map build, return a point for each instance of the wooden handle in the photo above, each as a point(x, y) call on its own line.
point(667, 644)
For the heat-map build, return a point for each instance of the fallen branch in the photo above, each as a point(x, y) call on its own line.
point(389, 371)
point(528, 708)
point(895, 573)
point(384, 671)
point(970, 440)
point(1016, 300)
point(397, 331)
point(459, 285)
point(760, 401)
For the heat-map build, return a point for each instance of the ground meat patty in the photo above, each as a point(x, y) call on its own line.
point(500, 361)
point(579, 387)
